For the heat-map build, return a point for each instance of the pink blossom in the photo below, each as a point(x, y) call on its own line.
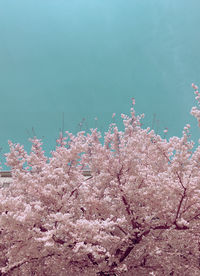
point(194, 86)
point(133, 101)
point(136, 213)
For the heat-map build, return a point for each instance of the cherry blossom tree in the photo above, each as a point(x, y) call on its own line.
point(138, 213)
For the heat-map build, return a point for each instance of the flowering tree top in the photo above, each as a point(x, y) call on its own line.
point(137, 214)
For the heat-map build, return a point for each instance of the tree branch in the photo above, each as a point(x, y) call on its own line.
point(4, 271)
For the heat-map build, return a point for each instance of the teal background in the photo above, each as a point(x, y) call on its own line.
point(63, 62)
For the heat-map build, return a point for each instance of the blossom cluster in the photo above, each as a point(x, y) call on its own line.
point(138, 213)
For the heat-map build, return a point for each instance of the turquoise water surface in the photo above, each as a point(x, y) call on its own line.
point(70, 64)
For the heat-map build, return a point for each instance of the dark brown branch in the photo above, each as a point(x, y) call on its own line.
point(89, 178)
point(57, 240)
point(134, 242)
point(43, 229)
point(161, 227)
point(75, 190)
point(194, 217)
point(180, 180)
point(121, 229)
point(134, 223)
point(23, 262)
point(180, 204)
point(126, 253)
point(126, 205)
point(91, 258)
